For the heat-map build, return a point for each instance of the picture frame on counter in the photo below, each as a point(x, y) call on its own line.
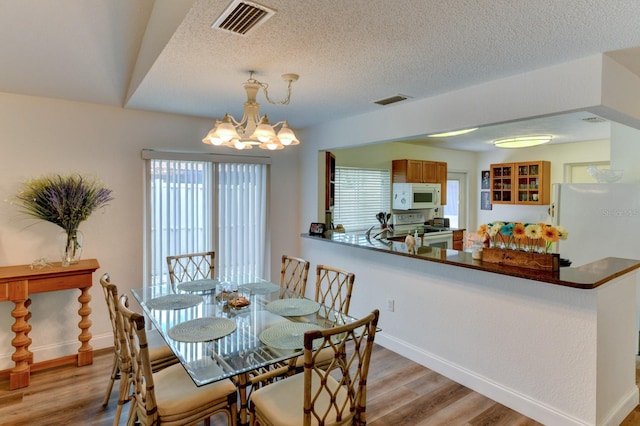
point(316, 228)
point(485, 200)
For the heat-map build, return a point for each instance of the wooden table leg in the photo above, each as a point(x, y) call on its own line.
point(85, 353)
point(19, 375)
point(27, 303)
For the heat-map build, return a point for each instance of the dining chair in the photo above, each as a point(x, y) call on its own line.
point(334, 287)
point(168, 396)
point(190, 267)
point(333, 290)
point(332, 396)
point(160, 356)
point(293, 276)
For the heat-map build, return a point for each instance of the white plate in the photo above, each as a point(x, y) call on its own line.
point(293, 307)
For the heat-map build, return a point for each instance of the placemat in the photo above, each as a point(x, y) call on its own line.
point(202, 329)
point(288, 335)
point(293, 307)
point(174, 301)
point(260, 288)
point(198, 285)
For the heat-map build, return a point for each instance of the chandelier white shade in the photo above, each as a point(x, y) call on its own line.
point(253, 129)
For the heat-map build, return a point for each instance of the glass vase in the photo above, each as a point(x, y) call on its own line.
point(476, 250)
point(70, 247)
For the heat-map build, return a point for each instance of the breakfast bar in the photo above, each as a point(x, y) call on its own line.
point(557, 346)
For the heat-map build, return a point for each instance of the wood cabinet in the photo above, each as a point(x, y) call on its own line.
point(533, 180)
point(329, 181)
point(502, 183)
point(521, 183)
point(421, 171)
point(458, 236)
point(441, 178)
point(406, 171)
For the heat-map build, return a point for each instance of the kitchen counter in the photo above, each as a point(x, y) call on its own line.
point(587, 276)
point(559, 347)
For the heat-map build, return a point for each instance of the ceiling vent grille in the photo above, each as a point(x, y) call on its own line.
point(392, 100)
point(594, 120)
point(242, 17)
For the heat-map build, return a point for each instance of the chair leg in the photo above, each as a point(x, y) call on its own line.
point(123, 398)
point(112, 379)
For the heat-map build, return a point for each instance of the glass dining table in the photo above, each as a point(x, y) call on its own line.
point(232, 326)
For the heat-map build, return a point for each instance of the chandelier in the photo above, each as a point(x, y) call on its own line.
point(253, 129)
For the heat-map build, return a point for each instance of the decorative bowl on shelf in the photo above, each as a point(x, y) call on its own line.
point(605, 175)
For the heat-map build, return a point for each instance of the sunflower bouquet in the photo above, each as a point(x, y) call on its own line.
point(530, 237)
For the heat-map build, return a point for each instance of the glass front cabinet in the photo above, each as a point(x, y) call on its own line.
point(521, 183)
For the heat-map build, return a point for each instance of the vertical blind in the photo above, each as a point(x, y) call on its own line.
point(360, 195)
point(183, 195)
point(242, 214)
point(180, 212)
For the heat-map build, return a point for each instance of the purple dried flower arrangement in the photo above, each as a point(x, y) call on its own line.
point(64, 200)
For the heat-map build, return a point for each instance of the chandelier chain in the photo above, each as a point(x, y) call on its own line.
point(265, 88)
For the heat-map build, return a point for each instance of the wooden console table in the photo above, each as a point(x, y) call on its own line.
point(18, 282)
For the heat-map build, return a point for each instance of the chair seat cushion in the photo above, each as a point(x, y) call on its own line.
point(160, 353)
point(176, 394)
point(282, 402)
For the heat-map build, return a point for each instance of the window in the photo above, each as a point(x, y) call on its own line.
point(456, 200)
point(360, 195)
point(195, 206)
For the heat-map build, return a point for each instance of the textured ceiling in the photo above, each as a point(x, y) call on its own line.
point(164, 55)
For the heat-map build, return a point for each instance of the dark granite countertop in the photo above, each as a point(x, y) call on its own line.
point(587, 276)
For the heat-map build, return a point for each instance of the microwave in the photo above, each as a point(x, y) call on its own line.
point(416, 196)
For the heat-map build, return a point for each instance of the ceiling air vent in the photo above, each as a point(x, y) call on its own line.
point(391, 100)
point(594, 120)
point(242, 17)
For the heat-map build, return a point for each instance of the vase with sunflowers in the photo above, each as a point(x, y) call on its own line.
point(528, 237)
point(67, 201)
point(527, 245)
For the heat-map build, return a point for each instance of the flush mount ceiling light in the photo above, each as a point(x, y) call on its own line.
point(522, 141)
point(454, 133)
point(253, 129)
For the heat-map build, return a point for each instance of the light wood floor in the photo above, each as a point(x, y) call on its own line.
point(399, 393)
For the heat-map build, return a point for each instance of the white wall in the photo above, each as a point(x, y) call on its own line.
point(568, 87)
point(558, 155)
point(41, 136)
point(625, 150)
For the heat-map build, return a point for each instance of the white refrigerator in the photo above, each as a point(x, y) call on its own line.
point(603, 220)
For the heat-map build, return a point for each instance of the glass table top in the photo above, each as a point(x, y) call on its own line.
point(239, 349)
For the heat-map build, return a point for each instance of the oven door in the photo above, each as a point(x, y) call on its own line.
point(438, 239)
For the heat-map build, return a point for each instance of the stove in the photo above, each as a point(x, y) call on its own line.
point(408, 223)
point(433, 235)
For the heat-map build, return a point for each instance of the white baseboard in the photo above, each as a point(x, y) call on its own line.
point(533, 409)
point(620, 412)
